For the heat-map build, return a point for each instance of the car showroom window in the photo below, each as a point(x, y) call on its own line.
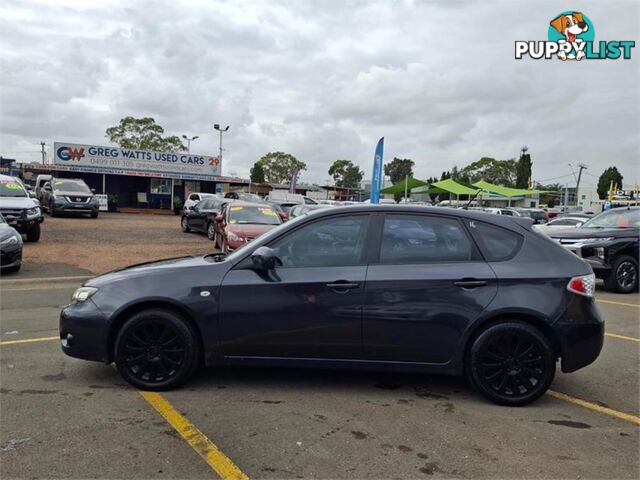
point(424, 239)
point(160, 186)
point(326, 243)
point(497, 243)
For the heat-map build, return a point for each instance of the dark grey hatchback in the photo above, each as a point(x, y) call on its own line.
point(432, 290)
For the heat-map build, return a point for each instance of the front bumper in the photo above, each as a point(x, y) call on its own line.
point(77, 208)
point(24, 225)
point(10, 257)
point(581, 334)
point(84, 332)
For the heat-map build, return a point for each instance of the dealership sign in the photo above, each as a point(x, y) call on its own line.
point(123, 161)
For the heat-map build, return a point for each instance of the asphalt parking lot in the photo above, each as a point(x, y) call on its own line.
point(61, 417)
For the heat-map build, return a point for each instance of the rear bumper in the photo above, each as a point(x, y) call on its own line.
point(581, 335)
point(84, 332)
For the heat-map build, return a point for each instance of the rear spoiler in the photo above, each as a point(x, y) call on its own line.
point(524, 222)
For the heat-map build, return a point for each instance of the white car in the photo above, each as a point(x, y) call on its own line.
point(502, 211)
point(195, 198)
point(560, 222)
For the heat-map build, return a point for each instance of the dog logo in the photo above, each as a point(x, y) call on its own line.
point(571, 36)
point(571, 26)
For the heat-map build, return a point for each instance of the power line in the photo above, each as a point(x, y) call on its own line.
point(555, 178)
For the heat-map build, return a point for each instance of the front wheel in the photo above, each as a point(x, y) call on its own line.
point(511, 363)
point(52, 210)
point(212, 234)
point(156, 350)
point(623, 277)
point(184, 225)
point(94, 215)
point(33, 234)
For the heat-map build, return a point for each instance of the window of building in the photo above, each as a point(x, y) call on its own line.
point(160, 186)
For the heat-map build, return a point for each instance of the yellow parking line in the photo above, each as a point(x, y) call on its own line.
point(211, 454)
point(595, 407)
point(618, 303)
point(28, 340)
point(623, 337)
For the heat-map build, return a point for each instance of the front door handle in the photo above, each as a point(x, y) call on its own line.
point(470, 283)
point(342, 286)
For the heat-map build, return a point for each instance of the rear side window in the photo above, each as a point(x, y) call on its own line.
point(420, 239)
point(497, 244)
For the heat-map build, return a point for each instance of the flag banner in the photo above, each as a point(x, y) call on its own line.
point(376, 179)
point(294, 181)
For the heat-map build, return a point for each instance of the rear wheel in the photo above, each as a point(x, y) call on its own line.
point(511, 363)
point(184, 225)
point(623, 277)
point(156, 350)
point(33, 234)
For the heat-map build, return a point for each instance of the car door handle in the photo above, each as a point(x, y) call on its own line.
point(470, 283)
point(342, 286)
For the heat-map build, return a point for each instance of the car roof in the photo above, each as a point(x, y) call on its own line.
point(505, 221)
point(249, 204)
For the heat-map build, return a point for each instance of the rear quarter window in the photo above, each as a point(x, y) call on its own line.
point(497, 244)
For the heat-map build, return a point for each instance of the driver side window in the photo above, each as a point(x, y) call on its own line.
point(326, 243)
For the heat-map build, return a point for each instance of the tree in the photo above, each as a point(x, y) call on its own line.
point(611, 174)
point(553, 193)
point(523, 169)
point(498, 172)
point(257, 173)
point(279, 166)
point(398, 169)
point(143, 134)
point(346, 174)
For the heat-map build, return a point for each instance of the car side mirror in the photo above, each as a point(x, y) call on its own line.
point(265, 258)
point(93, 190)
point(219, 218)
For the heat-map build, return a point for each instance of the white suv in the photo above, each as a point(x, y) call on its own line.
point(195, 198)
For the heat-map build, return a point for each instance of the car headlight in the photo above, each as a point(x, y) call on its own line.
point(232, 236)
point(83, 294)
point(14, 240)
point(59, 199)
point(35, 211)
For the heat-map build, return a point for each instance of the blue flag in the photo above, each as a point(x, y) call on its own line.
point(376, 179)
point(294, 181)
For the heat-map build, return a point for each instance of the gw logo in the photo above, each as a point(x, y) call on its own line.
point(571, 37)
point(69, 153)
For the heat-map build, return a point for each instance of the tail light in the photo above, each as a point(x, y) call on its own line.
point(583, 285)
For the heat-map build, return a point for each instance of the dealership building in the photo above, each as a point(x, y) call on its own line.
point(138, 178)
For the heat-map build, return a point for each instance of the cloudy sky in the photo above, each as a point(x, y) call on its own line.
point(323, 80)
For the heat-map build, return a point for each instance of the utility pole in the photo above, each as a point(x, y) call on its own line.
point(44, 154)
point(217, 127)
point(581, 166)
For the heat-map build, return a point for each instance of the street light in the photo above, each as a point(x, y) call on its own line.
point(216, 126)
point(189, 140)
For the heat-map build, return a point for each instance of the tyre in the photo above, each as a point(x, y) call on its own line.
point(94, 215)
point(212, 234)
point(511, 363)
point(623, 277)
point(13, 269)
point(156, 350)
point(52, 210)
point(184, 225)
point(33, 234)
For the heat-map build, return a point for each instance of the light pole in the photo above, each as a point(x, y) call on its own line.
point(189, 140)
point(217, 127)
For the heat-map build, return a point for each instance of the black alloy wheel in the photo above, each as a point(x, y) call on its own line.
point(184, 225)
point(156, 350)
point(511, 363)
point(624, 275)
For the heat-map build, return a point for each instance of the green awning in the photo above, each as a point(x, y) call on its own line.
point(451, 186)
point(505, 191)
point(406, 185)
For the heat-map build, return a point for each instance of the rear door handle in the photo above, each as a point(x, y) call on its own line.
point(342, 286)
point(470, 283)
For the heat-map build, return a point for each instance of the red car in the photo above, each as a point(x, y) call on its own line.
point(240, 222)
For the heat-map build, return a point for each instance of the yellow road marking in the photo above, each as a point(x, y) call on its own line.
point(618, 303)
point(211, 454)
point(595, 407)
point(623, 337)
point(28, 340)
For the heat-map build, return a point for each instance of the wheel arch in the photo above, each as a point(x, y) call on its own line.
point(127, 312)
point(538, 323)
